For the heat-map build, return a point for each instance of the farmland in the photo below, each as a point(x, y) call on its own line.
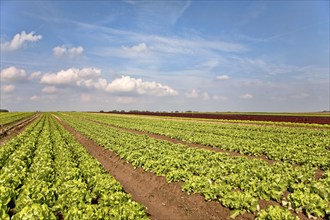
point(46, 174)
point(96, 166)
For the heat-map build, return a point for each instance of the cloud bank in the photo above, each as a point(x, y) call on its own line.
point(91, 78)
point(126, 84)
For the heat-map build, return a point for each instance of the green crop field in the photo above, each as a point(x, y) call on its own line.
point(164, 110)
point(12, 117)
point(270, 171)
point(46, 174)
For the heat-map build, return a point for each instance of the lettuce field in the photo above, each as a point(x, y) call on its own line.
point(72, 165)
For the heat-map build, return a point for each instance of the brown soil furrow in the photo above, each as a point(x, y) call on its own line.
point(263, 203)
point(16, 129)
point(318, 173)
point(176, 141)
point(163, 200)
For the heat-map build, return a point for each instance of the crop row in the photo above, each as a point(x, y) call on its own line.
point(192, 117)
point(51, 176)
point(8, 118)
point(29, 136)
point(292, 145)
point(236, 182)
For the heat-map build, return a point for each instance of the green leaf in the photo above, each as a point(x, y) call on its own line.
point(34, 212)
point(235, 213)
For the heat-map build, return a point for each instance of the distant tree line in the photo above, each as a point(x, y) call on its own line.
point(146, 111)
point(4, 110)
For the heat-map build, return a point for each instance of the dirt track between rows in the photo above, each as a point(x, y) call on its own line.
point(176, 141)
point(318, 173)
point(16, 129)
point(163, 200)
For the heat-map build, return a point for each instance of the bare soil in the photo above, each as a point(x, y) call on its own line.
point(14, 130)
point(163, 200)
point(176, 141)
point(318, 174)
point(262, 203)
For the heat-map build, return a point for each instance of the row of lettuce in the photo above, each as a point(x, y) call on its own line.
point(247, 122)
point(12, 117)
point(236, 182)
point(46, 174)
point(294, 145)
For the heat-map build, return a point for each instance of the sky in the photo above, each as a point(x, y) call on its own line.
point(260, 56)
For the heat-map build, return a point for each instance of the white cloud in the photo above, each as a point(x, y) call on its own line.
point(49, 89)
point(97, 83)
point(70, 76)
point(136, 50)
point(91, 78)
point(223, 77)
point(62, 77)
point(202, 95)
point(19, 40)
point(12, 74)
point(89, 72)
point(59, 51)
point(75, 51)
point(35, 75)
point(8, 88)
point(193, 94)
point(34, 98)
point(65, 51)
point(247, 96)
point(126, 84)
point(101, 84)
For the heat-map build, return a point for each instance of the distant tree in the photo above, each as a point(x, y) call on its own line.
point(102, 111)
point(4, 110)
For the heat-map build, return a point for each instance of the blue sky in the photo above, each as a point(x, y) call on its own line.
point(165, 55)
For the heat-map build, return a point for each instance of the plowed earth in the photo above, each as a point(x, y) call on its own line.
point(318, 173)
point(15, 129)
point(163, 200)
